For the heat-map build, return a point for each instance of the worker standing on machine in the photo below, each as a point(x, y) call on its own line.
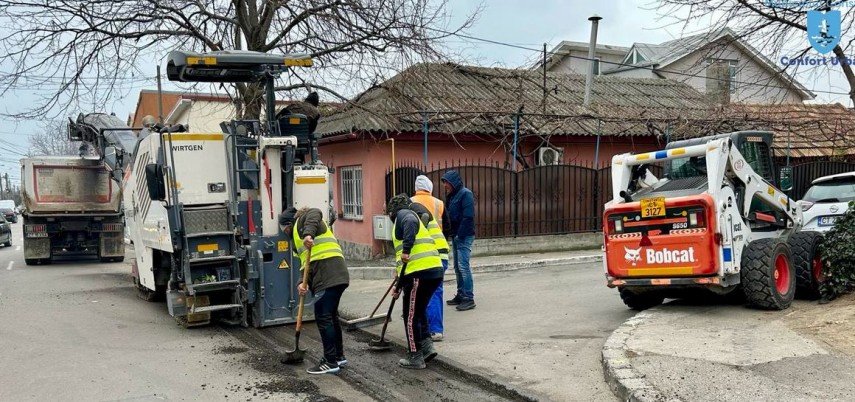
point(328, 278)
point(419, 270)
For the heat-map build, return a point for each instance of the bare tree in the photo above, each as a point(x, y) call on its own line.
point(88, 49)
point(773, 27)
point(52, 140)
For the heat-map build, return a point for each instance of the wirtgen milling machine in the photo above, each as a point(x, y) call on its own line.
point(202, 208)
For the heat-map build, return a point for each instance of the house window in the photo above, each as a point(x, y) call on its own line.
point(351, 192)
point(731, 68)
point(634, 57)
point(596, 66)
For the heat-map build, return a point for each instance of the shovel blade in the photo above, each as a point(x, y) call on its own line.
point(293, 357)
point(379, 344)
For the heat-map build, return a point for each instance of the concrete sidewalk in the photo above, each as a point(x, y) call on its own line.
point(385, 269)
point(538, 332)
point(684, 352)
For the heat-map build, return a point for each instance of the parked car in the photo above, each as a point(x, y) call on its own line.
point(826, 199)
point(9, 214)
point(5, 232)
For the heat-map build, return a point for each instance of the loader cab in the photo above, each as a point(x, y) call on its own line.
point(755, 147)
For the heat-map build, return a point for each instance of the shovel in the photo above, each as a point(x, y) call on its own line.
point(296, 356)
point(382, 344)
point(370, 320)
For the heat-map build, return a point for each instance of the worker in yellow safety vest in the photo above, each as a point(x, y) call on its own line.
point(328, 278)
point(419, 273)
point(423, 197)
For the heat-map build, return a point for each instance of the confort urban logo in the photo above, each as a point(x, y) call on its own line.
point(823, 33)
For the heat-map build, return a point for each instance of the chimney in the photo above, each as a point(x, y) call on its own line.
point(718, 83)
point(589, 80)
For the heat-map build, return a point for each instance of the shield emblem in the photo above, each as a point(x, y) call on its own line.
point(823, 29)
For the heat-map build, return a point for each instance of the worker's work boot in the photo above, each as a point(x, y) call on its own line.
point(428, 352)
point(414, 360)
point(466, 305)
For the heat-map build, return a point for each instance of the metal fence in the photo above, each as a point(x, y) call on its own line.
point(556, 199)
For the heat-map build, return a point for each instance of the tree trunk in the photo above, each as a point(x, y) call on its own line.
point(252, 96)
point(847, 71)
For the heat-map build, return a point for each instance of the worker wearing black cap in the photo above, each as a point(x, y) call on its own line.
point(419, 270)
point(328, 278)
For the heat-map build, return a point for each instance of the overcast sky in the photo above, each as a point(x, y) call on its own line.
point(520, 22)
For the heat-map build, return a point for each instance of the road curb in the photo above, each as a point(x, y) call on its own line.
point(376, 273)
point(624, 381)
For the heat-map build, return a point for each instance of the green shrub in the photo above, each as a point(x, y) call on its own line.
point(838, 255)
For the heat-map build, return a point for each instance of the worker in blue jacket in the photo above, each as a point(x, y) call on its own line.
point(458, 225)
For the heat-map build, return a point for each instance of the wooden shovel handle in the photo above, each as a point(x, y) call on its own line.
point(303, 297)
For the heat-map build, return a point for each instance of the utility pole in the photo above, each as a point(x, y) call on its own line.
point(159, 97)
point(544, 78)
point(8, 189)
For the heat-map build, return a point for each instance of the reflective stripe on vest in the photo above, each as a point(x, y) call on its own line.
point(325, 246)
point(436, 215)
point(438, 238)
point(423, 255)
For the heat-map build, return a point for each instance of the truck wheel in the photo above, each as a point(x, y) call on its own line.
point(31, 261)
point(808, 262)
point(768, 276)
point(640, 301)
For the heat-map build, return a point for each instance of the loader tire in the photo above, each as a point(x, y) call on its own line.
point(768, 276)
point(807, 260)
point(640, 301)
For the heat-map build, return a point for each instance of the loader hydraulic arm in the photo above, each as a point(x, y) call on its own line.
point(754, 185)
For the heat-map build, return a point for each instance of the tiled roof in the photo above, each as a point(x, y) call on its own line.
point(807, 130)
point(481, 100)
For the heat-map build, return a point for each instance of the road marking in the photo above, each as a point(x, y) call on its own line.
point(17, 248)
point(9, 267)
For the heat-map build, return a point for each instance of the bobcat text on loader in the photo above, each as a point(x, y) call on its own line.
point(202, 207)
point(715, 223)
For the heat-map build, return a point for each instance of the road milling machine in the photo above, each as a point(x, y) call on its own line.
point(714, 223)
point(202, 207)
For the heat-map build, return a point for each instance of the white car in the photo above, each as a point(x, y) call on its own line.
point(826, 199)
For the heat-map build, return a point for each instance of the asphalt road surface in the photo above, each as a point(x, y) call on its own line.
point(75, 330)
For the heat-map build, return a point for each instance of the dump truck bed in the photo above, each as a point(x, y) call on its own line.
point(68, 185)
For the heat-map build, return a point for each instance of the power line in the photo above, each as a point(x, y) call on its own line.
point(13, 144)
point(649, 68)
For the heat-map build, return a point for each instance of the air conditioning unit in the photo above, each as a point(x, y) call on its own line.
point(549, 156)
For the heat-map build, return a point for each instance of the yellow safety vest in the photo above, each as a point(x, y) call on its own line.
point(423, 255)
point(326, 246)
point(438, 239)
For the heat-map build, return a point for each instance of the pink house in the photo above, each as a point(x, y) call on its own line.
point(447, 114)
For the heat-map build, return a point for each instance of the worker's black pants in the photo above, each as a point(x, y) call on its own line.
point(417, 293)
point(326, 318)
